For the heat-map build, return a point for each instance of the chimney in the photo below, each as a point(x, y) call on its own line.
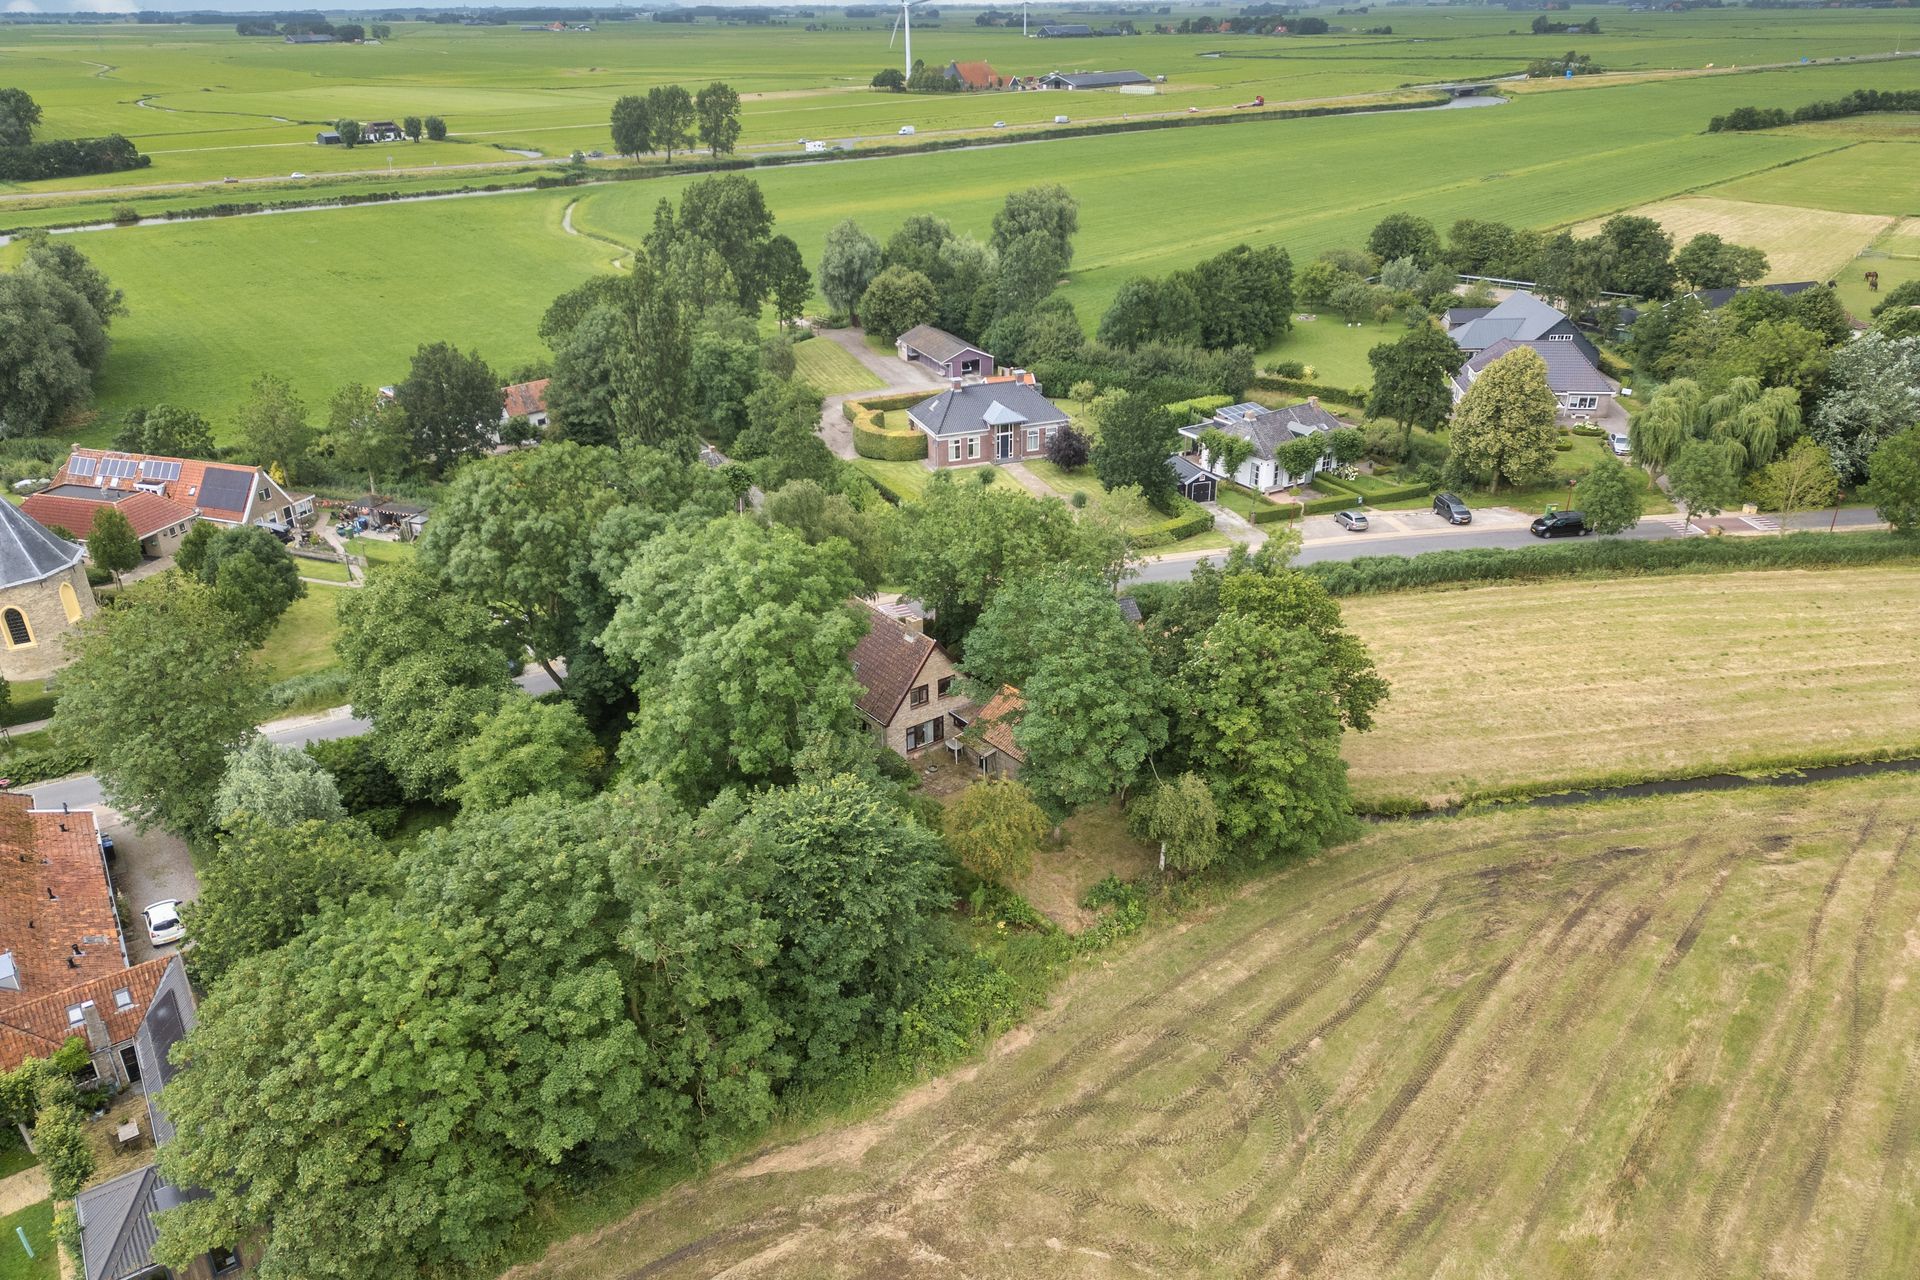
point(97, 1037)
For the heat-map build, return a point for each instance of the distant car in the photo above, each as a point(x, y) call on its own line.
point(1449, 507)
point(229, 179)
point(815, 146)
point(163, 922)
point(106, 846)
point(1061, 120)
point(296, 175)
point(1560, 524)
point(1352, 521)
point(999, 124)
point(906, 130)
point(596, 155)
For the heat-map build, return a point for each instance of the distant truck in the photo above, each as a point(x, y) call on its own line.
point(1259, 100)
point(814, 145)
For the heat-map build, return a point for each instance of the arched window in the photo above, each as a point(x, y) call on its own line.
point(70, 601)
point(17, 633)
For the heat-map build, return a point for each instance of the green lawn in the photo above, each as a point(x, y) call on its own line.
point(37, 1221)
point(1854, 294)
point(27, 701)
point(1085, 481)
point(14, 1155)
point(1535, 498)
point(1335, 351)
point(379, 551)
point(908, 480)
point(830, 369)
point(302, 641)
point(329, 570)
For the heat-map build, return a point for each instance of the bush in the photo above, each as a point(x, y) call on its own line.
point(1353, 397)
point(970, 1000)
point(1376, 491)
point(96, 576)
point(69, 158)
point(1189, 519)
point(1611, 558)
point(888, 446)
point(308, 688)
point(38, 764)
point(125, 214)
point(1079, 499)
point(365, 782)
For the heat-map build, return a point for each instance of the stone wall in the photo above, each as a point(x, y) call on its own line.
point(46, 616)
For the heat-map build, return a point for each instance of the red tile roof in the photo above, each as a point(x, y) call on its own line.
point(976, 75)
point(57, 925)
point(524, 399)
point(189, 489)
point(887, 662)
point(149, 513)
point(999, 718)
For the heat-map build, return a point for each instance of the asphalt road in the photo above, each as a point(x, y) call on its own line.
point(1354, 545)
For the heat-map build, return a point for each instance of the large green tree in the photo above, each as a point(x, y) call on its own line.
point(1182, 818)
point(895, 301)
point(1410, 379)
point(280, 786)
point(718, 108)
point(1893, 480)
point(1136, 437)
point(1708, 262)
point(1642, 256)
point(583, 393)
point(670, 118)
point(728, 213)
point(735, 637)
point(168, 645)
point(512, 533)
point(168, 430)
point(266, 879)
point(848, 263)
point(1798, 480)
point(1404, 235)
point(1704, 477)
point(112, 544)
point(1503, 428)
point(1872, 393)
point(992, 829)
point(789, 283)
point(272, 426)
point(253, 578)
point(1609, 497)
point(19, 114)
point(1094, 710)
point(452, 404)
point(632, 127)
point(1046, 208)
point(364, 434)
point(526, 748)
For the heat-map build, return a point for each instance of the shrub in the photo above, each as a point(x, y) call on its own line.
point(969, 1000)
point(125, 214)
point(1611, 558)
point(312, 687)
point(364, 780)
point(888, 446)
point(1079, 499)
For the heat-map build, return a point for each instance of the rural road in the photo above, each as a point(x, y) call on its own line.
point(1354, 545)
point(82, 790)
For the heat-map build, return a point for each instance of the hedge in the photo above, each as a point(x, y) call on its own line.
point(1386, 493)
point(1613, 558)
point(1294, 510)
point(1174, 529)
point(888, 446)
point(1275, 513)
point(880, 404)
point(1199, 406)
point(1355, 396)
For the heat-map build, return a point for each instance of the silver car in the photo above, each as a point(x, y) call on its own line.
point(1351, 521)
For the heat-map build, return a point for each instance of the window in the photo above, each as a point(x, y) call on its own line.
point(918, 697)
point(77, 1013)
point(1033, 439)
point(1559, 337)
point(123, 999)
point(1583, 402)
point(70, 602)
point(17, 633)
point(223, 1261)
point(973, 446)
point(953, 449)
point(946, 684)
point(921, 735)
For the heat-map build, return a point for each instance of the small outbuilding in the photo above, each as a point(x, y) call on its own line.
point(1194, 482)
point(939, 350)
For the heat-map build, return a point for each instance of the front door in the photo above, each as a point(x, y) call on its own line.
point(1003, 444)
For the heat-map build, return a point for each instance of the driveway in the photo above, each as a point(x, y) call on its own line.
point(886, 366)
point(147, 868)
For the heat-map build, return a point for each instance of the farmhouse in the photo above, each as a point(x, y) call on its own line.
point(381, 131)
point(63, 962)
point(1266, 429)
point(43, 593)
point(1520, 317)
point(1093, 79)
point(525, 400)
point(225, 493)
point(1000, 421)
point(1583, 393)
point(939, 350)
point(115, 1217)
point(911, 696)
point(1065, 31)
point(975, 75)
point(159, 522)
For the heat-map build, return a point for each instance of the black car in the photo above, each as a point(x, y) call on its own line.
point(1449, 507)
point(1560, 524)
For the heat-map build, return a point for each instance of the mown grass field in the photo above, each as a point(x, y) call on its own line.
point(1548, 685)
point(1667, 1037)
point(1868, 178)
point(829, 369)
point(1800, 243)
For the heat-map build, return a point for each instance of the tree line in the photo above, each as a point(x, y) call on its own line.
point(24, 160)
point(1859, 102)
point(669, 119)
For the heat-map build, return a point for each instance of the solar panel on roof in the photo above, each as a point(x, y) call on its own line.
point(164, 1024)
point(118, 468)
point(159, 469)
point(80, 467)
point(225, 489)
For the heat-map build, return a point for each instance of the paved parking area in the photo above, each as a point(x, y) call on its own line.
point(147, 868)
point(1422, 522)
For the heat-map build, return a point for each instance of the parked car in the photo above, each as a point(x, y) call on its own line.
point(1449, 507)
point(1560, 524)
point(1351, 521)
point(1061, 120)
point(1620, 442)
point(296, 175)
point(107, 850)
point(999, 124)
point(906, 130)
point(163, 922)
point(229, 179)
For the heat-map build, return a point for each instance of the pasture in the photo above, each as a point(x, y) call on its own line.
point(1547, 686)
point(1800, 243)
point(1654, 1038)
point(1866, 178)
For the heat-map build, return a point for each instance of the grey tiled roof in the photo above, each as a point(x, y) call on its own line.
point(1520, 316)
point(936, 344)
point(28, 553)
point(1184, 470)
point(970, 409)
point(170, 1015)
point(1099, 79)
point(116, 1225)
point(1271, 429)
point(1568, 369)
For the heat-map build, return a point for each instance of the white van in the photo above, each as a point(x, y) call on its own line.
point(1061, 120)
point(816, 146)
point(906, 130)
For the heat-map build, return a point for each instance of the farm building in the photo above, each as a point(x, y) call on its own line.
point(1520, 317)
point(43, 593)
point(975, 75)
point(1266, 429)
point(1093, 79)
point(1065, 31)
point(525, 400)
point(381, 131)
point(308, 38)
point(939, 350)
point(327, 138)
point(999, 421)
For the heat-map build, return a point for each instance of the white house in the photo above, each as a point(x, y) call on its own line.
point(1268, 429)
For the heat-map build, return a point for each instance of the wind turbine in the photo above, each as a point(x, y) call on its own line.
point(905, 19)
point(1023, 17)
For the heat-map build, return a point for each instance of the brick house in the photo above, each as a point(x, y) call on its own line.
point(223, 492)
point(1001, 421)
point(911, 689)
point(949, 356)
point(159, 522)
point(990, 741)
point(63, 961)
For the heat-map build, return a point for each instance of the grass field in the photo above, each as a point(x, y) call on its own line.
point(37, 1221)
point(302, 641)
point(829, 369)
point(325, 570)
point(1800, 243)
point(1870, 178)
point(1668, 1037)
point(1547, 685)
